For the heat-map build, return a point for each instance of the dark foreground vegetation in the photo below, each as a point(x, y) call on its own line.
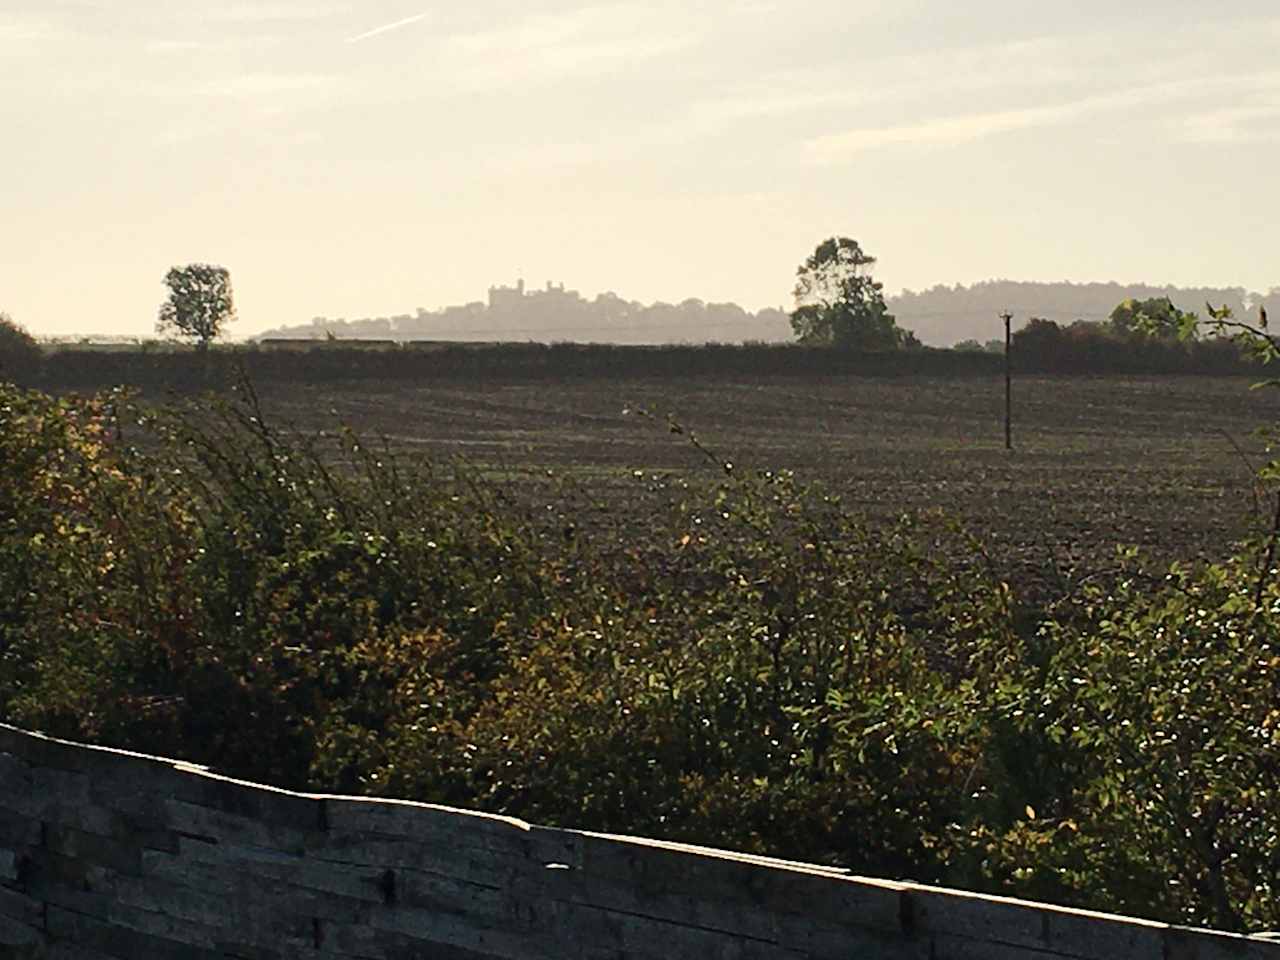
point(764, 670)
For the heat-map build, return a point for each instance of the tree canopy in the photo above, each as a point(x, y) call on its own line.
point(200, 304)
point(1155, 317)
point(838, 302)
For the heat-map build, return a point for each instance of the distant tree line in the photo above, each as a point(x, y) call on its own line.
point(940, 316)
point(839, 305)
point(1139, 335)
point(841, 321)
point(945, 314)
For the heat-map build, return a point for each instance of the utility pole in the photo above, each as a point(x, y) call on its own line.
point(1008, 380)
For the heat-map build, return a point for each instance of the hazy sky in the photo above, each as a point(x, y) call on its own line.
point(366, 158)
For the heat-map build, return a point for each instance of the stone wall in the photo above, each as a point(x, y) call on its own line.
point(111, 854)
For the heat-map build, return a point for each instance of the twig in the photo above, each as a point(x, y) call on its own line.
point(1265, 573)
point(1253, 470)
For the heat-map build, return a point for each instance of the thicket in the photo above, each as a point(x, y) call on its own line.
point(767, 672)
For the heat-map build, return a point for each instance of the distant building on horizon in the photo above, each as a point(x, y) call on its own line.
point(506, 298)
point(518, 298)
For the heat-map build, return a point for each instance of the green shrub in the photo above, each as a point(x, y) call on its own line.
point(770, 688)
point(1161, 697)
point(218, 590)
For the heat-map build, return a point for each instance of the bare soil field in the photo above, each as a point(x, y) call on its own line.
point(1162, 463)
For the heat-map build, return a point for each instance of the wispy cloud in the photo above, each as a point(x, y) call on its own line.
point(21, 32)
point(833, 148)
point(574, 43)
point(838, 106)
point(220, 44)
point(775, 95)
point(905, 81)
point(277, 12)
point(1259, 123)
point(387, 28)
point(254, 86)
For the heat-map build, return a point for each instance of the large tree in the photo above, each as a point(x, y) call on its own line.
point(200, 304)
point(838, 302)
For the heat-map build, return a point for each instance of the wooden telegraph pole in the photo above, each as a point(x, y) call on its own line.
point(1008, 381)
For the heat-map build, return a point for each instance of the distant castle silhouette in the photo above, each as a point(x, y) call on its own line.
point(534, 302)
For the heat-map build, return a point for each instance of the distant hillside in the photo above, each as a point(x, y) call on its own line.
point(944, 315)
point(557, 315)
point(940, 316)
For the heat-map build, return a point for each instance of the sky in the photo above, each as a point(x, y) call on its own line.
point(353, 159)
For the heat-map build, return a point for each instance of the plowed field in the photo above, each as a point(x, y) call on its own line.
point(1162, 463)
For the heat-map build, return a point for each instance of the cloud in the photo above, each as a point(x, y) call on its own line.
point(835, 147)
point(941, 94)
point(579, 42)
point(775, 97)
point(18, 31)
point(254, 86)
point(1045, 63)
point(22, 34)
point(387, 28)
point(951, 130)
point(278, 12)
point(221, 44)
point(1258, 123)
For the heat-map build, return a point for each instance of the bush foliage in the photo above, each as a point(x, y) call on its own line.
point(768, 673)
